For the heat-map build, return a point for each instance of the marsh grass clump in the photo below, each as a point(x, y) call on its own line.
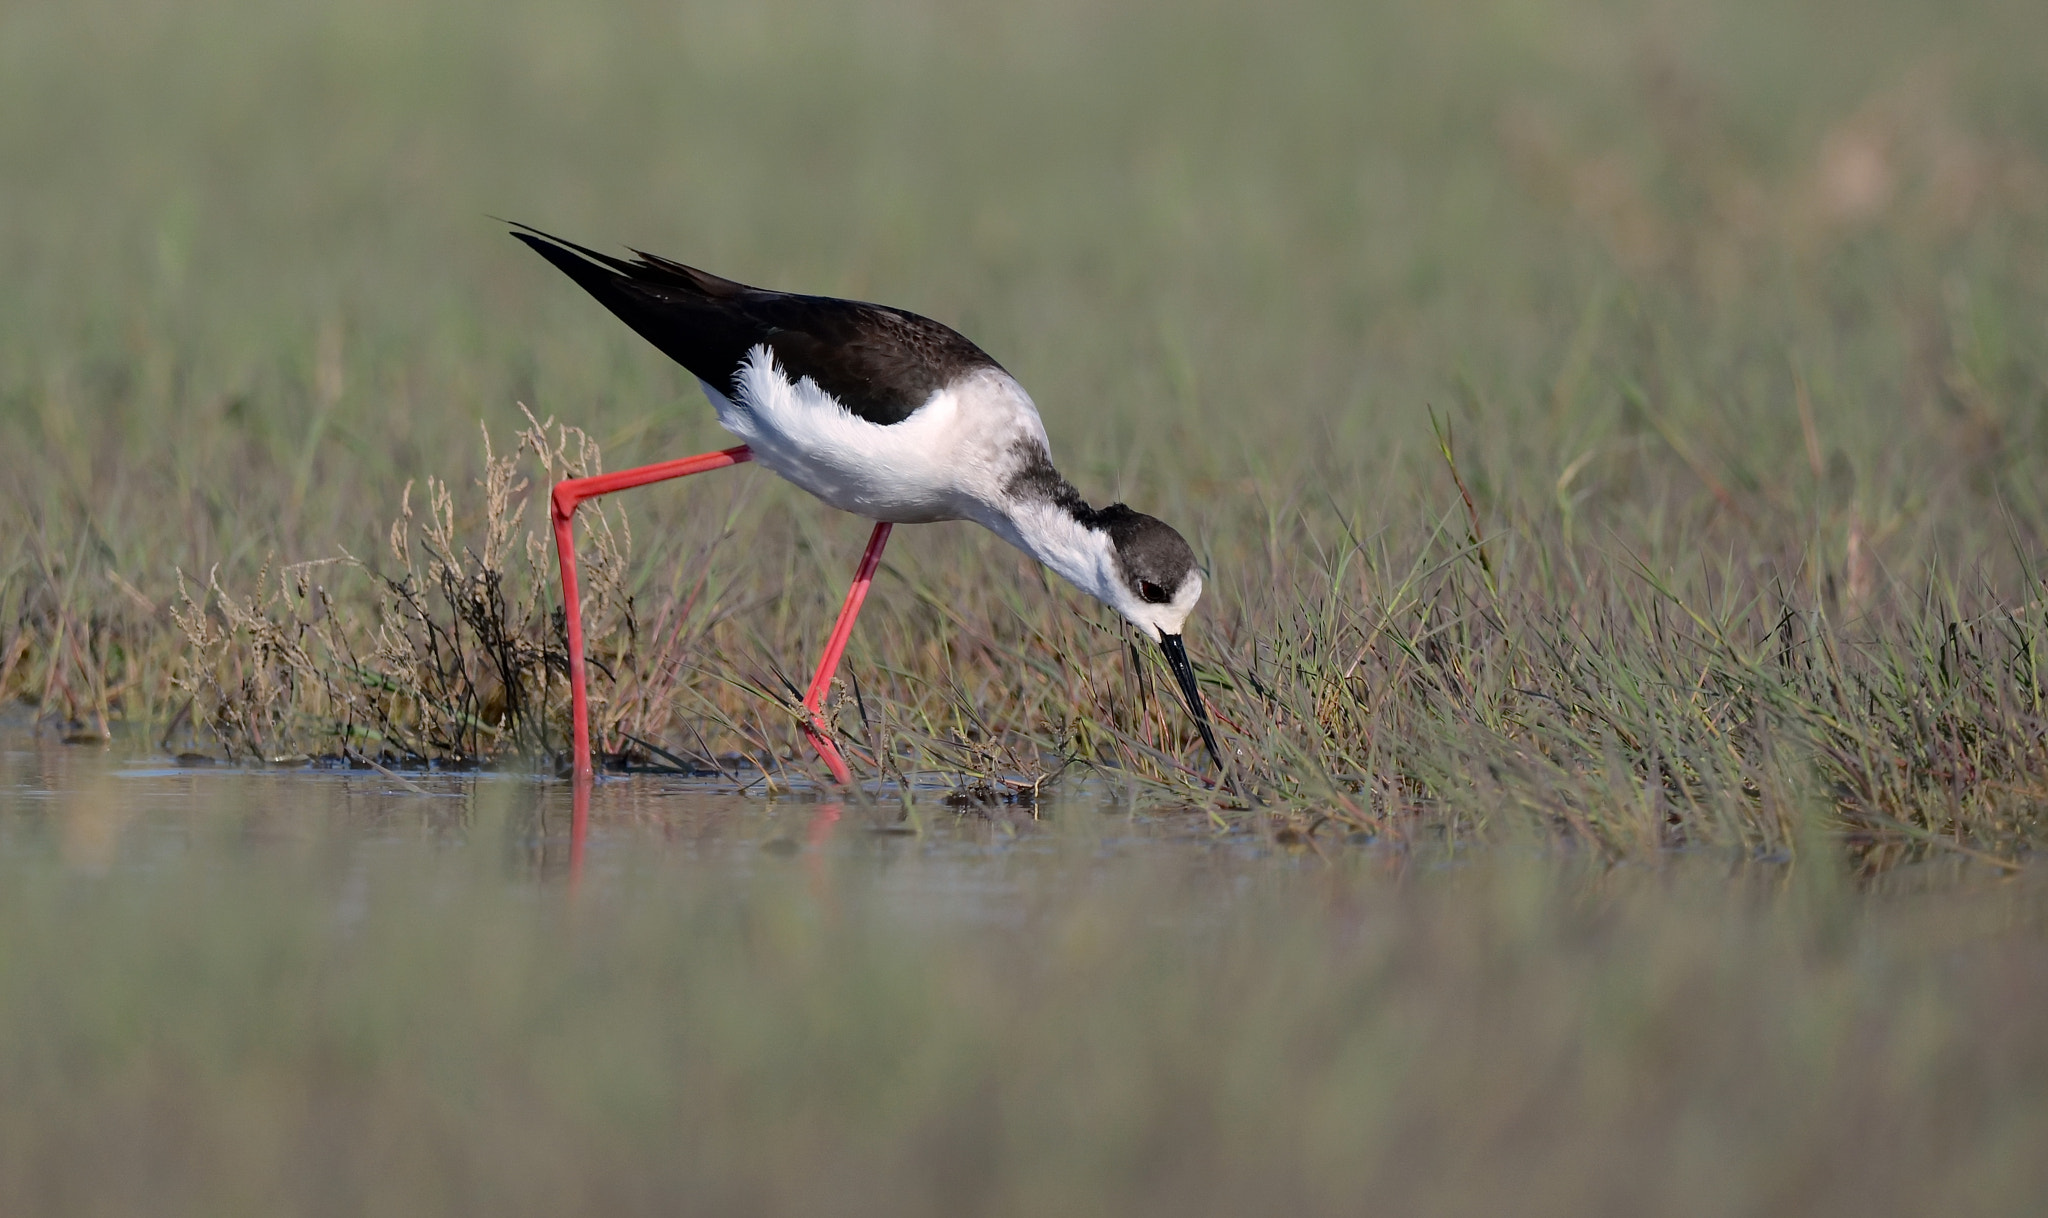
point(453, 657)
point(1616, 707)
point(78, 639)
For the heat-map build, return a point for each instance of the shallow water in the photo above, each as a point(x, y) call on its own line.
point(100, 807)
point(308, 991)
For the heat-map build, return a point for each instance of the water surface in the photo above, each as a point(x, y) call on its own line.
point(321, 992)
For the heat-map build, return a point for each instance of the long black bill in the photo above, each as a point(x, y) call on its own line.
point(1183, 672)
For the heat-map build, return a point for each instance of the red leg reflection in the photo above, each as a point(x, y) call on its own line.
point(823, 823)
point(579, 827)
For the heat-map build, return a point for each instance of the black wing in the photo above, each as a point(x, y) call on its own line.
point(880, 363)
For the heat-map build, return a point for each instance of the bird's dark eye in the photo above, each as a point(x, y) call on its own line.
point(1153, 593)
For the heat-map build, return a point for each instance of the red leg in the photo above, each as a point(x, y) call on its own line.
point(567, 495)
point(579, 826)
point(828, 664)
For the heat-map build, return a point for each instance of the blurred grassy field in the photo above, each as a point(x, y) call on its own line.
point(224, 993)
point(1733, 316)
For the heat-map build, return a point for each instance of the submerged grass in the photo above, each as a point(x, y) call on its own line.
point(1622, 422)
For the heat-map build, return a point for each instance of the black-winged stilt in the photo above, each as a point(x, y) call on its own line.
point(881, 413)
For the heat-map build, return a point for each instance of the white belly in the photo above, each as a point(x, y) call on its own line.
point(947, 461)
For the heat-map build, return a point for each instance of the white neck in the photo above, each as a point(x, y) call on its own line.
point(1086, 558)
point(1078, 554)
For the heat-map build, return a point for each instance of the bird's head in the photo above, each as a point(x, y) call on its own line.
point(1156, 585)
point(1157, 581)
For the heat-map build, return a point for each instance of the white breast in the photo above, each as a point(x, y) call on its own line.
point(948, 461)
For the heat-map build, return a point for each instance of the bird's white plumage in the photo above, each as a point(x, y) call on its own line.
point(955, 458)
point(1082, 556)
point(949, 460)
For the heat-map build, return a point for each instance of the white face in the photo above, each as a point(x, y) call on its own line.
point(1168, 618)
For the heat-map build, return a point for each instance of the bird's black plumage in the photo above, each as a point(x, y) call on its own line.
point(880, 363)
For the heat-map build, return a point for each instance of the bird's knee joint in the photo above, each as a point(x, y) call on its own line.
point(565, 499)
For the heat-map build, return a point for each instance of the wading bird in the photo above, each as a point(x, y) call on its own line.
point(881, 413)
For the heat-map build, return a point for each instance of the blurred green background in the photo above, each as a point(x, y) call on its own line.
point(1230, 248)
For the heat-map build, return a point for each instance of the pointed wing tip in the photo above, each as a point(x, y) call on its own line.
point(525, 232)
point(575, 260)
point(542, 240)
